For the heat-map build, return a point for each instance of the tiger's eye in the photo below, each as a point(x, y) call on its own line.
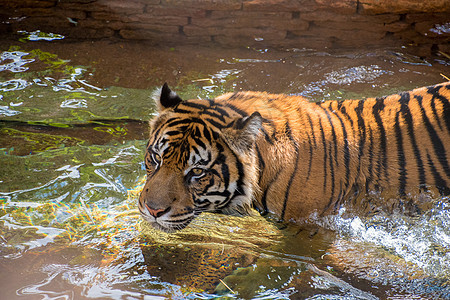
point(197, 171)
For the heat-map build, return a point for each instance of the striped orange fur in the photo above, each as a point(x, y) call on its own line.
point(292, 157)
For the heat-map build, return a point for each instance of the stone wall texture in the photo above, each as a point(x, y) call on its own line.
point(265, 23)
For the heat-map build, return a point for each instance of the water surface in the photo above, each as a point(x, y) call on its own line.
point(72, 138)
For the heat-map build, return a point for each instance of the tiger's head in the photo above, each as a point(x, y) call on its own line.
point(200, 157)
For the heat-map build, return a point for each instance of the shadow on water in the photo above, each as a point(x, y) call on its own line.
point(73, 132)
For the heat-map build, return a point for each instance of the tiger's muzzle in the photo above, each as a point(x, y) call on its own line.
point(165, 202)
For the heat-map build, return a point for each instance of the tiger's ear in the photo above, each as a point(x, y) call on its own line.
point(244, 131)
point(167, 98)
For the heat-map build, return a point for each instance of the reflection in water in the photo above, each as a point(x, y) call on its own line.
point(13, 85)
point(68, 203)
point(38, 35)
point(17, 63)
point(8, 112)
point(51, 90)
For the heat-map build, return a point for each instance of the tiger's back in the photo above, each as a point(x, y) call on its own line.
point(321, 154)
point(294, 157)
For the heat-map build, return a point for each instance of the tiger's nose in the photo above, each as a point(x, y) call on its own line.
point(157, 212)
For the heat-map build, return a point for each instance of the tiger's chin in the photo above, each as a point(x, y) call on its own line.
point(168, 227)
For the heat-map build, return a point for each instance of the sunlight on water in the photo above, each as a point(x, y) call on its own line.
point(21, 91)
point(344, 77)
point(14, 61)
point(38, 35)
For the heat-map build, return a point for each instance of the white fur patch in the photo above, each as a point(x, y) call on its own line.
point(156, 97)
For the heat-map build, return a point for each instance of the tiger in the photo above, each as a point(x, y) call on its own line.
point(248, 152)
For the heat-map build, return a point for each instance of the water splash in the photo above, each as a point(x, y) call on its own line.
point(359, 74)
point(333, 82)
point(421, 240)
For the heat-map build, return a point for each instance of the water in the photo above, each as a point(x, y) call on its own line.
point(72, 135)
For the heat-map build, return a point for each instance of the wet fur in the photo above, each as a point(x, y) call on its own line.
point(293, 157)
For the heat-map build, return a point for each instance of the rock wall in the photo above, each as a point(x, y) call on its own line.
point(277, 23)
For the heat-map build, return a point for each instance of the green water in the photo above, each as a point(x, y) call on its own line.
point(72, 137)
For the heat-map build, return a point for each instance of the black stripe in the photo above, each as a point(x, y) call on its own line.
point(324, 142)
point(268, 138)
point(400, 156)
point(224, 194)
point(206, 133)
point(208, 186)
point(239, 191)
point(339, 199)
point(183, 111)
point(333, 133)
point(266, 191)
point(217, 125)
point(435, 93)
point(370, 167)
point(308, 173)
point(237, 110)
point(346, 152)
point(173, 132)
point(185, 121)
point(438, 147)
point(362, 133)
point(188, 210)
point(382, 161)
point(261, 164)
point(200, 143)
point(225, 172)
point(343, 109)
point(162, 141)
point(156, 131)
point(242, 96)
point(333, 183)
point(312, 128)
point(225, 203)
point(179, 221)
point(446, 107)
point(191, 105)
point(310, 146)
point(406, 112)
point(214, 114)
point(221, 110)
point(196, 131)
point(331, 158)
point(201, 203)
point(439, 182)
point(291, 178)
point(433, 109)
point(196, 150)
point(233, 96)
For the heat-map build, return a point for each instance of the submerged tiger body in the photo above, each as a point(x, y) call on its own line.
point(289, 156)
